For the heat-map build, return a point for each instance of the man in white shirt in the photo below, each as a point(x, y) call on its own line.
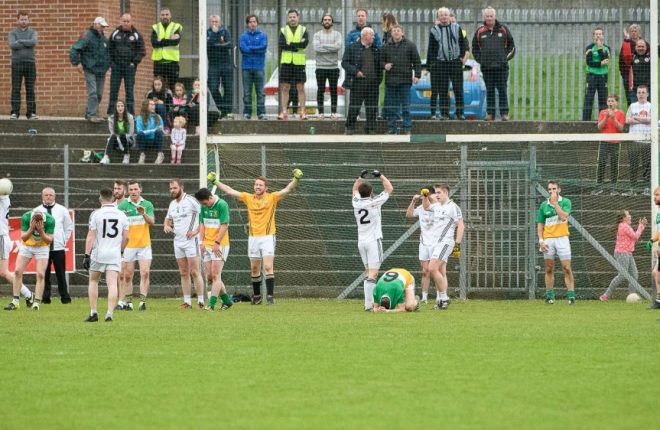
point(366, 208)
point(448, 219)
point(638, 118)
point(57, 256)
point(182, 220)
point(427, 238)
point(105, 243)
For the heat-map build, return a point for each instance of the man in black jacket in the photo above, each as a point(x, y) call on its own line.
point(493, 47)
point(361, 63)
point(126, 52)
point(400, 59)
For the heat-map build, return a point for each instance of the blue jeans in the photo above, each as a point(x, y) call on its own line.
point(398, 98)
point(117, 73)
point(150, 141)
point(94, 92)
point(253, 77)
point(222, 75)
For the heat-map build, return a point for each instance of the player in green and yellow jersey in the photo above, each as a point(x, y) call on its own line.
point(395, 292)
point(214, 235)
point(140, 213)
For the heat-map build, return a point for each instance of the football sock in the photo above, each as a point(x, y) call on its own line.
point(16, 300)
point(369, 285)
point(425, 296)
point(270, 284)
point(121, 303)
point(657, 297)
point(549, 293)
point(37, 301)
point(129, 298)
point(200, 299)
point(186, 299)
point(212, 301)
point(225, 299)
point(92, 312)
point(570, 294)
point(108, 314)
point(25, 292)
point(444, 297)
point(143, 298)
point(256, 285)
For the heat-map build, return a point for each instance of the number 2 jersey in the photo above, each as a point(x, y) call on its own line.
point(109, 224)
point(368, 217)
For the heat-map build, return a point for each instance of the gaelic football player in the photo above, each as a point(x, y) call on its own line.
point(395, 292)
point(427, 239)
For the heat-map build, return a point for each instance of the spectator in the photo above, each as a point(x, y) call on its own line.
point(402, 65)
point(356, 34)
point(178, 138)
point(253, 44)
point(626, 53)
point(293, 40)
point(122, 133)
point(57, 256)
point(221, 65)
point(149, 131)
point(493, 48)
point(126, 52)
point(610, 120)
point(165, 39)
point(388, 20)
point(638, 118)
point(446, 54)
point(22, 41)
point(90, 55)
point(361, 63)
point(179, 105)
point(161, 96)
point(597, 56)
point(641, 66)
point(623, 250)
point(327, 44)
point(212, 112)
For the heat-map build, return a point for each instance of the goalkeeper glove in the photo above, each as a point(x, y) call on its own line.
point(364, 173)
point(213, 177)
point(649, 245)
point(457, 250)
point(87, 261)
point(376, 173)
point(297, 174)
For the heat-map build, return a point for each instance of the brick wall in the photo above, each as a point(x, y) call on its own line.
point(60, 89)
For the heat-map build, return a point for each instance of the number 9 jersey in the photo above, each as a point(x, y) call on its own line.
point(367, 215)
point(109, 223)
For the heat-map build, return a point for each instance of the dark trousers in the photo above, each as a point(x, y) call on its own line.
point(112, 143)
point(120, 72)
point(595, 84)
point(332, 76)
point(639, 158)
point(363, 91)
point(497, 79)
point(631, 96)
point(222, 76)
point(441, 73)
point(608, 152)
point(398, 97)
point(58, 260)
point(150, 141)
point(168, 71)
point(20, 72)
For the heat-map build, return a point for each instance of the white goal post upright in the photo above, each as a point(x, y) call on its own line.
point(203, 94)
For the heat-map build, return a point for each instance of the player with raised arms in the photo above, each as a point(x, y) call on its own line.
point(366, 208)
point(447, 219)
point(214, 235)
point(261, 206)
point(395, 292)
point(106, 239)
point(427, 238)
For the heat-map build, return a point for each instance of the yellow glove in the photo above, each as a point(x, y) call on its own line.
point(457, 250)
point(297, 174)
point(425, 192)
point(213, 177)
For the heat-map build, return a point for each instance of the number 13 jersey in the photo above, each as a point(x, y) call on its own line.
point(367, 215)
point(109, 224)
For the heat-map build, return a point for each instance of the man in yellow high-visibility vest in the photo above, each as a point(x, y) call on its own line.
point(165, 39)
point(292, 43)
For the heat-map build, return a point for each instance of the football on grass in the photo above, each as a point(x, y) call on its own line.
point(633, 298)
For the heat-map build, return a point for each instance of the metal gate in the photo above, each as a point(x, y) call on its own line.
point(498, 203)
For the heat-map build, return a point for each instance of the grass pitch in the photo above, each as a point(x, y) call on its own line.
point(328, 364)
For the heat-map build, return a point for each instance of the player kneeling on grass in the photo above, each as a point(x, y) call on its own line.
point(214, 236)
point(105, 243)
point(37, 228)
point(395, 292)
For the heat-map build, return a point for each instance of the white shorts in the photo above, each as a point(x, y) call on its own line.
point(209, 255)
point(5, 247)
point(137, 254)
point(38, 252)
point(189, 248)
point(102, 267)
point(559, 246)
point(443, 250)
point(371, 253)
point(261, 246)
point(425, 252)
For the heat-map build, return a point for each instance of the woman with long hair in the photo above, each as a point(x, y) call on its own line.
point(122, 133)
point(149, 131)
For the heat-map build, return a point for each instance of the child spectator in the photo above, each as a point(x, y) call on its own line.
point(149, 131)
point(623, 250)
point(610, 120)
point(122, 133)
point(179, 104)
point(161, 96)
point(178, 137)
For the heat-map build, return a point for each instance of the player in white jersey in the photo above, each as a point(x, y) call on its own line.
point(427, 238)
point(366, 208)
point(656, 251)
point(105, 243)
point(5, 248)
point(447, 220)
point(182, 219)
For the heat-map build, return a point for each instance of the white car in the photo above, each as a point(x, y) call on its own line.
point(271, 91)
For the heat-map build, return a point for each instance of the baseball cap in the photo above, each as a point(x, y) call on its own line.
point(100, 20)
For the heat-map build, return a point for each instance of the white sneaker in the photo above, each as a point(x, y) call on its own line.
point(105, 159)
point(126, 160)
point(142, 158)
point(159, 158)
